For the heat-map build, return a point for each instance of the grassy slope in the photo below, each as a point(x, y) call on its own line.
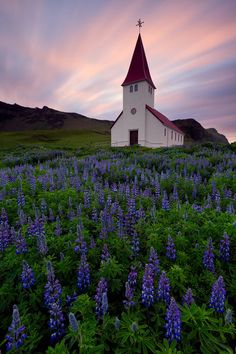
point(54, 139)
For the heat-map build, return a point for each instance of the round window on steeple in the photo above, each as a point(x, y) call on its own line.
point(133, 111)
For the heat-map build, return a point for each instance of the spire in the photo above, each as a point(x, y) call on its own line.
point(138, 69)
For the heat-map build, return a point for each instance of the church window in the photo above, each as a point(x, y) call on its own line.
point(165, 132)
point(136, 87)
point(131, 88)
point(171, 134)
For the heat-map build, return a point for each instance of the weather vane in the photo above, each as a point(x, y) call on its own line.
point(139, 24)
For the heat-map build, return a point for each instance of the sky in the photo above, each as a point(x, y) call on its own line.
point(73, 55)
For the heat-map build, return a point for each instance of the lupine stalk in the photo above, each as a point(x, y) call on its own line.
point(27, 276)
point(148, 286)
point(188, 297)
point(173, 322)
point(163, 290)
point(225, 248)
point(99, 298)
point(170, 249)
point(218, 295)
point(208, 257)
point(16, 332)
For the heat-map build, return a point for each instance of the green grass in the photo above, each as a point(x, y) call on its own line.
point(54, 139)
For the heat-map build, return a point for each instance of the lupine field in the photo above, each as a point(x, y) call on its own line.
point(118, 250)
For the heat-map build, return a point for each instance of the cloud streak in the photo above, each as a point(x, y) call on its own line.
point(74, 56)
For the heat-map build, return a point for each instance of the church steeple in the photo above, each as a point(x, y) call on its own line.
point(138, 69)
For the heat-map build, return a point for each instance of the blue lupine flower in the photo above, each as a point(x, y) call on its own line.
point(154, 261)
point(58, 229)
point(218, 295)
point(56, 322)
point(130, 288)
point(135, 243)
point(188, 297)
point(165, 202)
point(27, 276)
point(83, 274)
point(225, 248)
point(21, 245)
point(99, 298)
point(53, 288)
point(148, 286)
point(208, 257)
point(170, 249)
point(73, 322)
point(16, 332)
point(173, 322)
point(105, 253)
point(163, 290)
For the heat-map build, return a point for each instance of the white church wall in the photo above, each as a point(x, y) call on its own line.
point(118, 133)
point(154, 132)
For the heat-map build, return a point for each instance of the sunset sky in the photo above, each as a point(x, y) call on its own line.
point(73, 55)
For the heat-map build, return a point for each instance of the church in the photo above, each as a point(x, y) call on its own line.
point(139, 122)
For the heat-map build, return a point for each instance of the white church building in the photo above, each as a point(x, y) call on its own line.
point(139, 122)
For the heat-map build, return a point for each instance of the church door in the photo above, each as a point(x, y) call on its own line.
point(133, 137)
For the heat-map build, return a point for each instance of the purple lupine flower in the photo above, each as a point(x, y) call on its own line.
point(101, 289)
point(53, 288)
point(27, 276)
point(83, 275)
point(163, 289)
point(58, 229)
point(5, 236)
point(170, 249)
point(56, 322)
point(154, 261)
point(87, 199)
point(20, 199)
point(130, 288)
point(225, 248)
point(21, 245)
point(71, 298)
point(135, 244)
point(208, 257)
point(188, 297)
point(165, 202)
point(148, 286)
point(218, 295)
point(105, 256)
point(16, 332)
point(43, 206)
point(92, 243)
point(173, 322)
point(51, 215)
point(175, 195)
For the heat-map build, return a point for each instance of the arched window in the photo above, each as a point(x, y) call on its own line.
point(131, 88)
point(136, 87)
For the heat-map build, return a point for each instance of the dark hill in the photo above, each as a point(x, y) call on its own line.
point(14, 117)
point(195, 133)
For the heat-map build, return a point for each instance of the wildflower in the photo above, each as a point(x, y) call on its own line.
point(188, 297)
point(117, 324)
point(225, 248)
point(165, 202)
point(218, 295)
point(163, 290)
point(27, 276)
point(105, 253)
point(208, 257)
point(56, 322)
point(173, 322)
point(100, 299)
point(73, 322)
point(154, 261)
point(148, 286)
point(83, 274)
point(170, 249)
point(53, 288)
point(16, 332)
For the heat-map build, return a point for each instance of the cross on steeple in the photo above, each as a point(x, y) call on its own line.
point(139, 24)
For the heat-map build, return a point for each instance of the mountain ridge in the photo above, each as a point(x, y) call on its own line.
point(14, 117)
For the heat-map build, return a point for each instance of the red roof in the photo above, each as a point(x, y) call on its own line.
point(138, 69)
point(163, 119)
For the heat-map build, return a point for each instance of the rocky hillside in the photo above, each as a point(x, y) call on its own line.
point(18, 118)
point(14, 117)
point(195, 133)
